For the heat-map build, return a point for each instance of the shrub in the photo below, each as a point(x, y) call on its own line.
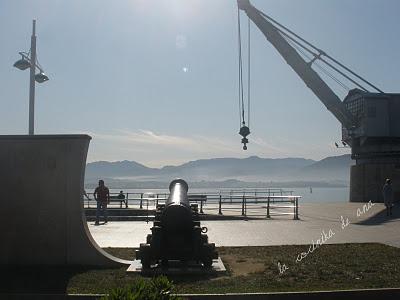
point(158, 288)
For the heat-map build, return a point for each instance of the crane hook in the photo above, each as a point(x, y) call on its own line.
point(244, 132)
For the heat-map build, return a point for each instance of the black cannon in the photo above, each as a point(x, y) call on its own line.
point(176, 233)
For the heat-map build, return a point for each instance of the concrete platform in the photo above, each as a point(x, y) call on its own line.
point(315, 218)
point(191, 269)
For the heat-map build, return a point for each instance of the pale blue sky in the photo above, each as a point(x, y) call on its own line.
point(156, 81)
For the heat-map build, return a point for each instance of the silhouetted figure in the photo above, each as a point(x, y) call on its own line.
point(121, 195)
point(102, 196)
point(388, 196)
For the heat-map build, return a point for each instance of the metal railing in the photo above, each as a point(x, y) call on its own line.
point(245, 202)
point(260, 205)
point(131, 200)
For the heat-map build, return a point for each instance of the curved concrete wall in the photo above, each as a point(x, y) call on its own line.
point(41, 208)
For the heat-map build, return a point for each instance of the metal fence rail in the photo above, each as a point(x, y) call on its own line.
point(245, 202)
point(262, 204)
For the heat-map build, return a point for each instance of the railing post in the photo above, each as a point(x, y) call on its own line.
point(268, 215)
point(243, 205)
point(297, 208)
point(156, 200)
point(220, 205)
point(93, 198)
point(201, 205)
point(141, 200)
point(294, 208)
point(147, 210)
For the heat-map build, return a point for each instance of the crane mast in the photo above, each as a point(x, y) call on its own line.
point(300, 66)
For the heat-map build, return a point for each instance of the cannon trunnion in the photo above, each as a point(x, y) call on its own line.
point(176, 232)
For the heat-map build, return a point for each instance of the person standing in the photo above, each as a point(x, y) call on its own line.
point(388, 196)
point(102, 196)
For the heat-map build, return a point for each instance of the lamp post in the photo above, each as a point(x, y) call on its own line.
point(29, 60)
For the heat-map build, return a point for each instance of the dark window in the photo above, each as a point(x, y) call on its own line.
point(356, 107)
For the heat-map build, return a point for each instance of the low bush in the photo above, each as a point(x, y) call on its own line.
point(158, 288)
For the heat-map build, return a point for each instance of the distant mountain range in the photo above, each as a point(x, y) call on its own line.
point(251, 169)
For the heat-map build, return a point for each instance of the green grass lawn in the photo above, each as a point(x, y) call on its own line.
point(250, 269)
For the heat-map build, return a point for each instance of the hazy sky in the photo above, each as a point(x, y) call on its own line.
point(155, 81)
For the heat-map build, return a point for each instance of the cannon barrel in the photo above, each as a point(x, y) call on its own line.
point(177, 215)
point(178, 189)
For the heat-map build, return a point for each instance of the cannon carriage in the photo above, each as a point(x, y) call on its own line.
point(176, 234)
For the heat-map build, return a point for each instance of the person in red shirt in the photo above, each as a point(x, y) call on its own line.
point(102, 196)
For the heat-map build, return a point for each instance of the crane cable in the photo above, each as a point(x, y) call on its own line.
point(319, 66)
point(244, 130)
point(293, 36)
point(248, 72)
point(241, 100)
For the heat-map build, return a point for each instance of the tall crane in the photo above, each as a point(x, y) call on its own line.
point(370, 123)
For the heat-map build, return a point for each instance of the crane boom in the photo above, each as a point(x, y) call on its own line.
point(300, 66)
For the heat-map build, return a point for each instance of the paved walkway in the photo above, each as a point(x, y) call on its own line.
point(371, 226)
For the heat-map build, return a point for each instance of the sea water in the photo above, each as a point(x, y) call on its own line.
point(308, 195)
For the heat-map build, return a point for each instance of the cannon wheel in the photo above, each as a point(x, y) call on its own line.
point(204, 239)
point(207, 262)
point(207, 253)
point(145, 263)
point(148, 239)
point(145, 256)
point(164, 263)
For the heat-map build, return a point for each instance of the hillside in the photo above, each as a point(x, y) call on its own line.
point(250, 169)
point(336, 167)
point(117, 169)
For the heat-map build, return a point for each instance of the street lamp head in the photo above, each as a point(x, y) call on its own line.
point(22, 64)
point(41, 77)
